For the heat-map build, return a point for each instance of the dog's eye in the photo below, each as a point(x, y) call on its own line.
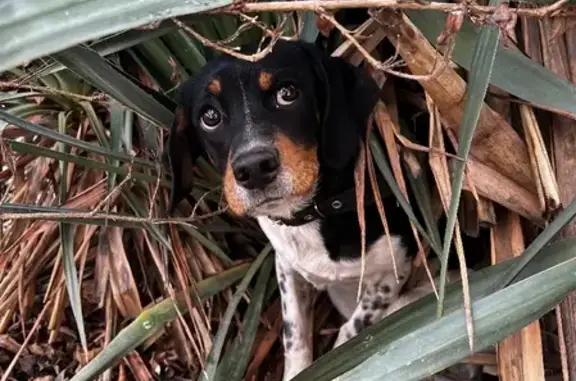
point(286, 95)
point(210, 119)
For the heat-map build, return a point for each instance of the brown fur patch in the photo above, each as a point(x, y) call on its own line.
point(265, 81)
point(301, 162)
point(215, 87)
point(234, 204)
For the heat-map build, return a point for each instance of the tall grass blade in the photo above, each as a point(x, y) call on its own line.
point(77, 143)
point(479, 79)
point(67, 247)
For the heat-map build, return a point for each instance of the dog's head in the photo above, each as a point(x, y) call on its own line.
point(270, 126)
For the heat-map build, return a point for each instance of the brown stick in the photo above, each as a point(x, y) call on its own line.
point(494, 186)
point(448, 90)
point(557, 50)
point(520, 355)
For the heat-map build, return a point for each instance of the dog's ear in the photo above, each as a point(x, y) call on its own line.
point(183, 150)
point(346, 97)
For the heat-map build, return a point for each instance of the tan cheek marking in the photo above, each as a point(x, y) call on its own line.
point(215, 87)
point(265, 81)
point(234, 204)
point(300, 162)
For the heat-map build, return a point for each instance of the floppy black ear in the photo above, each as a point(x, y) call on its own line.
point(183, 150)
point(347, 96)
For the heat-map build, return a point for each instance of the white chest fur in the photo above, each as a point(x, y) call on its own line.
point(303, 249)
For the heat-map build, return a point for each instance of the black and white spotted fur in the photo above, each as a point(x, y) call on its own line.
point(232, 112)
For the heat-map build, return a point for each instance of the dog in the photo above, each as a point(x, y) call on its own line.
point(285, 133)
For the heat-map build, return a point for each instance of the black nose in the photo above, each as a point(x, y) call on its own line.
point(256, 169)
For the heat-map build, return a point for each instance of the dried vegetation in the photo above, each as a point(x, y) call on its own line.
point(90, 266)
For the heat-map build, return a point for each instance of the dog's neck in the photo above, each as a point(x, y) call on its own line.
point(335, 194)
point(333, 182)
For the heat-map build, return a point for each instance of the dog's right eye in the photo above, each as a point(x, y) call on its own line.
point(210, 118)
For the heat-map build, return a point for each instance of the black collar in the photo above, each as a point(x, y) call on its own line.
point(321, 209)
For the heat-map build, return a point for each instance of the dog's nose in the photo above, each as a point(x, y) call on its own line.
point(256, 169)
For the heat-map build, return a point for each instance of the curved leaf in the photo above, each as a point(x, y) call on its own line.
point(442, 343)
point(376, 338)
point(35, 28)
point(93, 68)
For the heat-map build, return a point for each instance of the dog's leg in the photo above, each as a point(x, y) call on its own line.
point(297, 297)
point(381, 299)
point(420, 291)
point(377, 298)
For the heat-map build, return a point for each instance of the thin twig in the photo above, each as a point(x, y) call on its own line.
point(258, 24)
point(227, 50)
point(197, 205)
point(408, 144)
point(234, 36)
point(116, 189)
point(465, 286)
point(379, 203)
point(384, 66)
point(152, 200)
point(106, 216)
point(4, 85)
point(553, 10)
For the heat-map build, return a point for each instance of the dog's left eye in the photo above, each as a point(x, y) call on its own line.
point(210, 119)
point(286, 95)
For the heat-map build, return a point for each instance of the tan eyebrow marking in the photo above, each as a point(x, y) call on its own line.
point(265, 81)
point(215, 87)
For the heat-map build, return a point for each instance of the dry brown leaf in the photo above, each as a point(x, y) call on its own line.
point(541, 165)
point(9, 344)
point(185, 281)
point(121, 279)
point(447, 89)
point(360, 186)
point(265, 340)
point(138, 368)
point(388, 129)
